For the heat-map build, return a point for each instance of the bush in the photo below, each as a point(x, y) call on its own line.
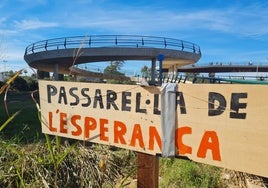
point(1, 84)
point(20, 84)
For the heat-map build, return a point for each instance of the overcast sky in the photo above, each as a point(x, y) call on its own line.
point(226, 30)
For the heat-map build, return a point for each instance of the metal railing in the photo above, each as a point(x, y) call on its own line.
point(228, 64)
point(195, 78)
point(95, 41)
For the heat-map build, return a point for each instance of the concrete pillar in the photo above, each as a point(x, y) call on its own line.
point(56, 72)
point(160, 58)
point(153, 70)
point(175, 69)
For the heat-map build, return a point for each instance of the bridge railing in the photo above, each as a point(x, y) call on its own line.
point(94, 41)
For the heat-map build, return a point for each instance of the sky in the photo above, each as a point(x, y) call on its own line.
point(226, 30)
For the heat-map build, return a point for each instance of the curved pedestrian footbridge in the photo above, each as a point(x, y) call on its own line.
point(61, 54)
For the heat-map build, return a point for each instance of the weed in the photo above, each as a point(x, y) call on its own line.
point(5, 88)
point(182, 173)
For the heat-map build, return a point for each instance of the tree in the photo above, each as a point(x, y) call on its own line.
point(42, 74)
point(25, 71)
point(146, 71)
point(113, 69)
point(61, 77)
point(20, 84)
point(1, 84)
point(10, 73)
point(31, 82)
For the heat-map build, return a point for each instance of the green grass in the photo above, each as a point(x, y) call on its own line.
point(26, 125)
point(183, 173)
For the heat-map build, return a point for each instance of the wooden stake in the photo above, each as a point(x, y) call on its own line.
point(147, 170)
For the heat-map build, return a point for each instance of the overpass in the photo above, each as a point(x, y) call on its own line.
point(223, 67)
point(59, 55)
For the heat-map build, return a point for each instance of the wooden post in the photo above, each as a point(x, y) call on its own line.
point(147, 170)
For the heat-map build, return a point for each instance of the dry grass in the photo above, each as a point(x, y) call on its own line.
point(84, 166)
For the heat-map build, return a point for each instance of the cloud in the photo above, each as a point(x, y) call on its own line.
point(2, 20)
point(249, 21)
point(241, 21)
point(33, 24)
point(214, 26)
point(235, 19)
point(225, 20)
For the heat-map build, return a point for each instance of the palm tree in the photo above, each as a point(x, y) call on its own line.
point(146, 71)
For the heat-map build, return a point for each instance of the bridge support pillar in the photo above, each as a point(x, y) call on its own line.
point(175, 69)
point(160, 58)
point(56, 72)
point(153, 71)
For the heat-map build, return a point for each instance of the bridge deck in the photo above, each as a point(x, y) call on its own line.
point(66, 52)
point(224, 68)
